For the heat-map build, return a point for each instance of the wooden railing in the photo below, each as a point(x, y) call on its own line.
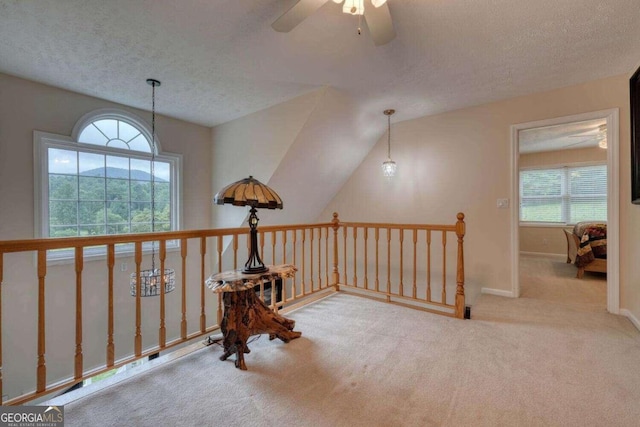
point(318, 250)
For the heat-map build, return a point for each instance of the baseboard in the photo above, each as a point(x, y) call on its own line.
point(631, 317)
point(498, 292)
point(544, 254)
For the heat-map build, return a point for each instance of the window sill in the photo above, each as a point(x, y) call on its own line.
point(67, 256)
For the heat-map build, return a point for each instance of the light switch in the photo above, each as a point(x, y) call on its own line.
point(503, 203)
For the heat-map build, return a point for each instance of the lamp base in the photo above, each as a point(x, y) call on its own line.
point(255, 270)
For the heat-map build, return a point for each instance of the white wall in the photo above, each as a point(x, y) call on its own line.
point(460, 161)
point(24, 107)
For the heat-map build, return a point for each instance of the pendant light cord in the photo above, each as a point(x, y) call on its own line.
point(389, 136)
point(153, 158)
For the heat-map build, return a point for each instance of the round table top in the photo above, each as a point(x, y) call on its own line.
point(236, 280)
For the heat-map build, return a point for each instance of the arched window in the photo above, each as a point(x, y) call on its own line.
point(98, 181)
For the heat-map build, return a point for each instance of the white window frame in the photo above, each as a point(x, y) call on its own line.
point(564, 197)
point(42, 141)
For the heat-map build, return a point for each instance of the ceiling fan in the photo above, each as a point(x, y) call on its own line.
point(375, 12)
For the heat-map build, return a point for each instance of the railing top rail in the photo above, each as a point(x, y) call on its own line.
point(8, 246)
point(432, 227)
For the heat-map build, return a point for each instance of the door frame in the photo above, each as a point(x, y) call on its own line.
point(613, 199)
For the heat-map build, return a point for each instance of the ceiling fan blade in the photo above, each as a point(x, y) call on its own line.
point(379, 23)
point(298, 13)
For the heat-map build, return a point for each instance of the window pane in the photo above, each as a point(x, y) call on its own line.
point(541, 210)
point(588, 209)
point(140, 227)
point(118, 143)
point(91, 135)
point(140, 143)
point(588, 180)
point(92, 230)
point(162, 226)
point(140, 191)
point(91, 164)
point(140, 212)
point(63, 161)
point(162, 171)
point(541, 182)
point(162, 211)
point(118, 189)
point(91, 213)
point(63, 187)
point(91, 188)
point(117, 167)
point(63, 213)
point(108, 127)
point(65, 231)
point(141, 169)
point(118, 228)
point(117, 212)
point(162, 192)
point(126, 132)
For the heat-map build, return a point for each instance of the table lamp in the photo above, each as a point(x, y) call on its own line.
point(253, 193)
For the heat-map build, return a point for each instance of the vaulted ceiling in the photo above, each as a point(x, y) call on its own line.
point(220, 59)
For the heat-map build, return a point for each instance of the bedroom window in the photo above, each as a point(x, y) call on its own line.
point(99, 181)
point(564, 195)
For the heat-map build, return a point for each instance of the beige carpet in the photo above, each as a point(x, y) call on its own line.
point(367, 363)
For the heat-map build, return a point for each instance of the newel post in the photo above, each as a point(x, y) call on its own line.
point(460, 231)
point(336, 274)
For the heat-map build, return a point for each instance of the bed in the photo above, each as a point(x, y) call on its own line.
point(587, 247)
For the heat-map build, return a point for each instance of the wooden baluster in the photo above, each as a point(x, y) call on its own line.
point(344, 254)
point(219, 250)
point(388, 265)
point(183, 321)
point(304, 262)
point(336, 272)
point(235, 251)
point(415, 262)
point(138, 338)
point(284, 261)
point(366, 264)
point(261, 245)
point(1, 275)
point(273, 251)
point(460, 232)
point(429, 265)
point(78, 356)
point(203, 252)
point(162, 332)
point(377, 238)
point(111, 260)
point(294, 291)
point(41, 373)
point(355, 257)
point(444, 267)
point(326, 255)
point(319, 258)
point(401, 288)
point(312, 235)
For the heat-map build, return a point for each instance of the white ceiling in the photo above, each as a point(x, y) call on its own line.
point(220, 59)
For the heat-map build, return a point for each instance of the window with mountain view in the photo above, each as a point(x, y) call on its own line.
point(102, 183)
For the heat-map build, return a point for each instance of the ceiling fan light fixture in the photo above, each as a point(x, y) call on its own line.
point(353, 7)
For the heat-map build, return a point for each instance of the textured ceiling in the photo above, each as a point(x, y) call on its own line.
point(220, 59)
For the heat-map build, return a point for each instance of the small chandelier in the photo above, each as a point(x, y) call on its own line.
point(389, 166)
point(151, 280)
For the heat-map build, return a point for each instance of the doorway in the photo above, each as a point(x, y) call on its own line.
point(589, 129)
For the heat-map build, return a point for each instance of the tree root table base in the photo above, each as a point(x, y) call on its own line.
point(246, 315)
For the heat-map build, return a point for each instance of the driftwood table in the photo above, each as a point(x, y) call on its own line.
point(245, 314)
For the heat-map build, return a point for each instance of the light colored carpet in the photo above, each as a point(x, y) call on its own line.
point(366, 363)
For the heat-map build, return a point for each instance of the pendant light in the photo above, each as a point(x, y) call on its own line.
point(151, 280)
point(389, 166)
